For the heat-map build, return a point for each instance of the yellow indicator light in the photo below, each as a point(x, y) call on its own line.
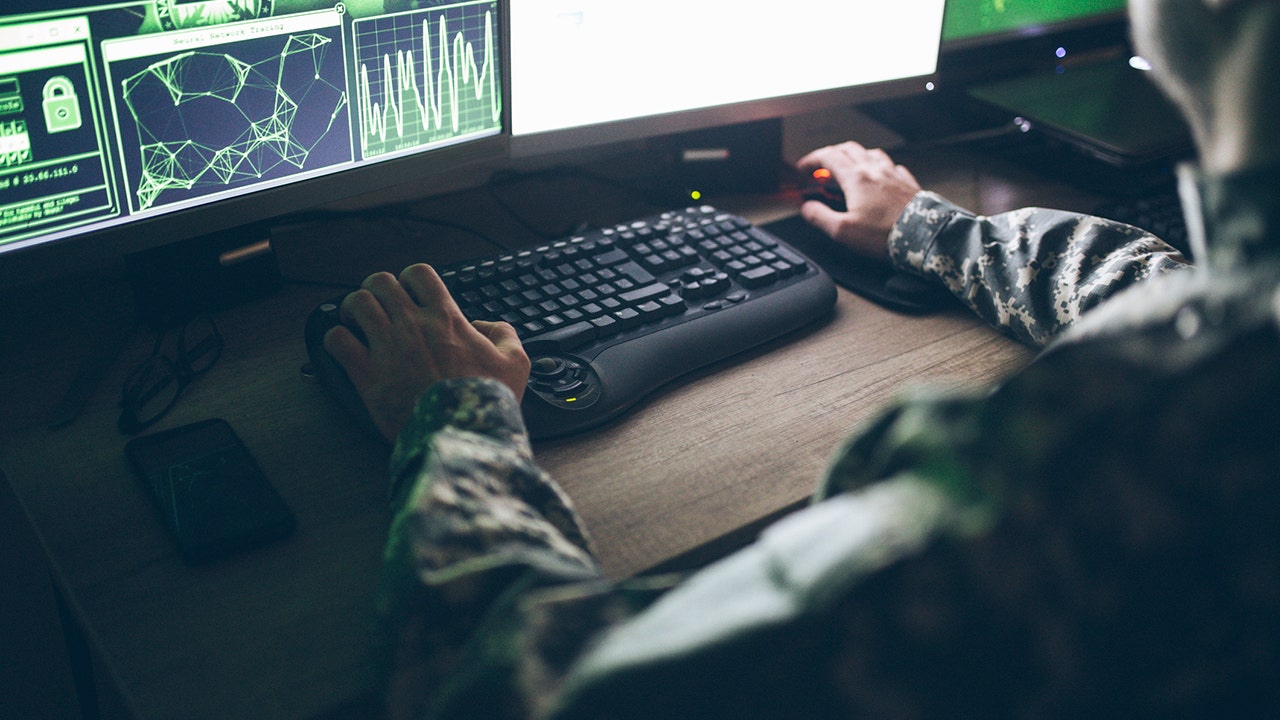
point(696, 194)
point(569, 400)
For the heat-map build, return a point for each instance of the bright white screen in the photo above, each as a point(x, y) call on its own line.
point(582, 62)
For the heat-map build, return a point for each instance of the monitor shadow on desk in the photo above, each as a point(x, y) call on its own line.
point(343, 250)
point(513, 211)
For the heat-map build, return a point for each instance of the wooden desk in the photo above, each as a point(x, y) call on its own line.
point(283, 632)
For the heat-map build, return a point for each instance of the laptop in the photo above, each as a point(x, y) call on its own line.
point(1109, 110)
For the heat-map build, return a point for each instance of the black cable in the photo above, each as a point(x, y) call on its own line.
point(387, 216)
point(396, 213)
point(510, 177)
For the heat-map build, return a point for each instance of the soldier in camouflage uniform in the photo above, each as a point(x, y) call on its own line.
point(1098, 536)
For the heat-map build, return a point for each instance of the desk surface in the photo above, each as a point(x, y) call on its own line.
point(283, 632)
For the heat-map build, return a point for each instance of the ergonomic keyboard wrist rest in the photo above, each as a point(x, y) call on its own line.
point(625, 368)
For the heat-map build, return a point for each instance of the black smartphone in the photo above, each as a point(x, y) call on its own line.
point(212, 496)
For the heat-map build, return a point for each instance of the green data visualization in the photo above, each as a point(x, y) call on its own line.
point(966, 19)
point(114, 108)
point(426, 76)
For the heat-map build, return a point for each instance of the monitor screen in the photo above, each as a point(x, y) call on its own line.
point(989, 40)
point(594, 71)
point(974, 19)
point(146, 121)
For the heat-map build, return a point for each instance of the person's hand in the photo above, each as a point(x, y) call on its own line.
point(417, 336)
point(876, 190)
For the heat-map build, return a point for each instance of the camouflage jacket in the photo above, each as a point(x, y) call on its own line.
point(1098, 535)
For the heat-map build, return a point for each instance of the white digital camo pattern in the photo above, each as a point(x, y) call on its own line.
point(1031, 272)
point(1112, 551)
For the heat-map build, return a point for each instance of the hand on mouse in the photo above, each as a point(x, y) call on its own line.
point(417, 336)
point(876, 190)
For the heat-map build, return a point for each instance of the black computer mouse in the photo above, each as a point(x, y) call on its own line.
point(821, 185)
point(324, 368)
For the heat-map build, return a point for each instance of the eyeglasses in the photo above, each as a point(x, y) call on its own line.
point(153, 387)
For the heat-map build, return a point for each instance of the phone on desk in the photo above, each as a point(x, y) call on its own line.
point(211, 495)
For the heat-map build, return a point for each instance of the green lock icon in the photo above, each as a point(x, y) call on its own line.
point(61, 106)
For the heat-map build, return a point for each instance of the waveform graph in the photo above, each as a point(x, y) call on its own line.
point(427, 77)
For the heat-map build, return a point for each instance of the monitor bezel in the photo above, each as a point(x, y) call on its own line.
point(996, 56)
point(535, 146)
point(597, 135)
point(103, 246)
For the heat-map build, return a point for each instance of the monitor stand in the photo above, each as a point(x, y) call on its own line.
point(741, 158)
point(208, 273)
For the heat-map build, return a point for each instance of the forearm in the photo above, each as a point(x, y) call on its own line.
point(1030, 272)
point(477, 524)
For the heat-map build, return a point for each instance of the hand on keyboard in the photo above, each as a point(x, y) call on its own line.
point(414, 335)
point(611, 315)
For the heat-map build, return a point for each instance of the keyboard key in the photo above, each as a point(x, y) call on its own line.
point(762, 237)
point(638, 275)
point(566, 337)
point(653, 263)
point(649, 311)
point(627, 318)
point(605, 325)
point(613, 257)
point(790, 257)
point(647, 292)
point(758, 276)
point(717, 283)
point(672, 305)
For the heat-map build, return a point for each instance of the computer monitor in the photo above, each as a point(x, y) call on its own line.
point(594, 72)
point(1065, 68)
point(127, 124)
point(967, 20)
point(986, 40)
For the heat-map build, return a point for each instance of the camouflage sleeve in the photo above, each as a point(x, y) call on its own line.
point(1031, 272)
point(477, 525)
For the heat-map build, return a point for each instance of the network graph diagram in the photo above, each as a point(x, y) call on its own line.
point(426, 77)
point(207, 120)
point(107, 113)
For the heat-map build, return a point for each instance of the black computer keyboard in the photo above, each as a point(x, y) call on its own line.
point(611, 315)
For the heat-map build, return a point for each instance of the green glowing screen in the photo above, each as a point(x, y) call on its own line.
point(966, 19)
point(111, 109)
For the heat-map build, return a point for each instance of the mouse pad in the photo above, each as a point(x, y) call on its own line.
point(877, 282)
